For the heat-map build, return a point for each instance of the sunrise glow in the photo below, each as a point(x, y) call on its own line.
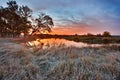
point(79, 16)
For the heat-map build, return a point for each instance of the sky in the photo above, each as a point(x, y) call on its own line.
point(78, 16)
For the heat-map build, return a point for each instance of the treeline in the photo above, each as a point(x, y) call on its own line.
point(16, 19)
point(103, 38)
point(104, 34)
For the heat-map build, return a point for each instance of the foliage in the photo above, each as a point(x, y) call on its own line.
point(106, 34)
point(25, 12)
point(44, 24)
point(89, 34)
point(15, 19)
point(12, 23)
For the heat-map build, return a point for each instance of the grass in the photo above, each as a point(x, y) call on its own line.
point(59, 62)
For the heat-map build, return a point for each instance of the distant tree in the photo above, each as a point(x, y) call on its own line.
point(106, 34)
point(76, 34)
point(98, 35)
point(89, 34)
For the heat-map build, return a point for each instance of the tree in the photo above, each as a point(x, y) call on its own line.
point(12, 5)
point(90, 34)
point(3, 21)
point(13, 19)
point(25, 11)
point(44, 23)
point(98, 35)
point(106, 34)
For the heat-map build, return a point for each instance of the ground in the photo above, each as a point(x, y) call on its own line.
point(18, 62)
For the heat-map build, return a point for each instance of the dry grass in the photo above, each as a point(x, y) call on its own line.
point(59, 62)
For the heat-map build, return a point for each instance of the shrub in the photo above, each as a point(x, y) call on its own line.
point(106, 34)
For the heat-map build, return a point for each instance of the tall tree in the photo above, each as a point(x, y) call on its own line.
point(44, 23)
point(3, 21)
point(12, 5)
point(25, 11)
point(13, 19)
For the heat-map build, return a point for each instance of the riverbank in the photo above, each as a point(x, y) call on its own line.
point(93, 39)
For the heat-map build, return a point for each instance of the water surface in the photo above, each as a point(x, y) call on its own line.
point(56, 42)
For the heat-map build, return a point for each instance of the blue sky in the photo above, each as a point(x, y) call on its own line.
point(95, 16)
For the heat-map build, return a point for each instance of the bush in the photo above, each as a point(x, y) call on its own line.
point(106, 34)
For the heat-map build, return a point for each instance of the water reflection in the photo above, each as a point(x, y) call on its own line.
point(44, 43)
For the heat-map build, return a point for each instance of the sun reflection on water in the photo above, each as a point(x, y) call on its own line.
point(47, 43)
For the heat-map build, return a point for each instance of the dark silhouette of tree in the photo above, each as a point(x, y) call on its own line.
point(25, 11)
point(13, 19)
point(3, 21)
point(98, 35)
point(90, 34)
point(12, 5)
point(44, 23)
point(106, 34)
